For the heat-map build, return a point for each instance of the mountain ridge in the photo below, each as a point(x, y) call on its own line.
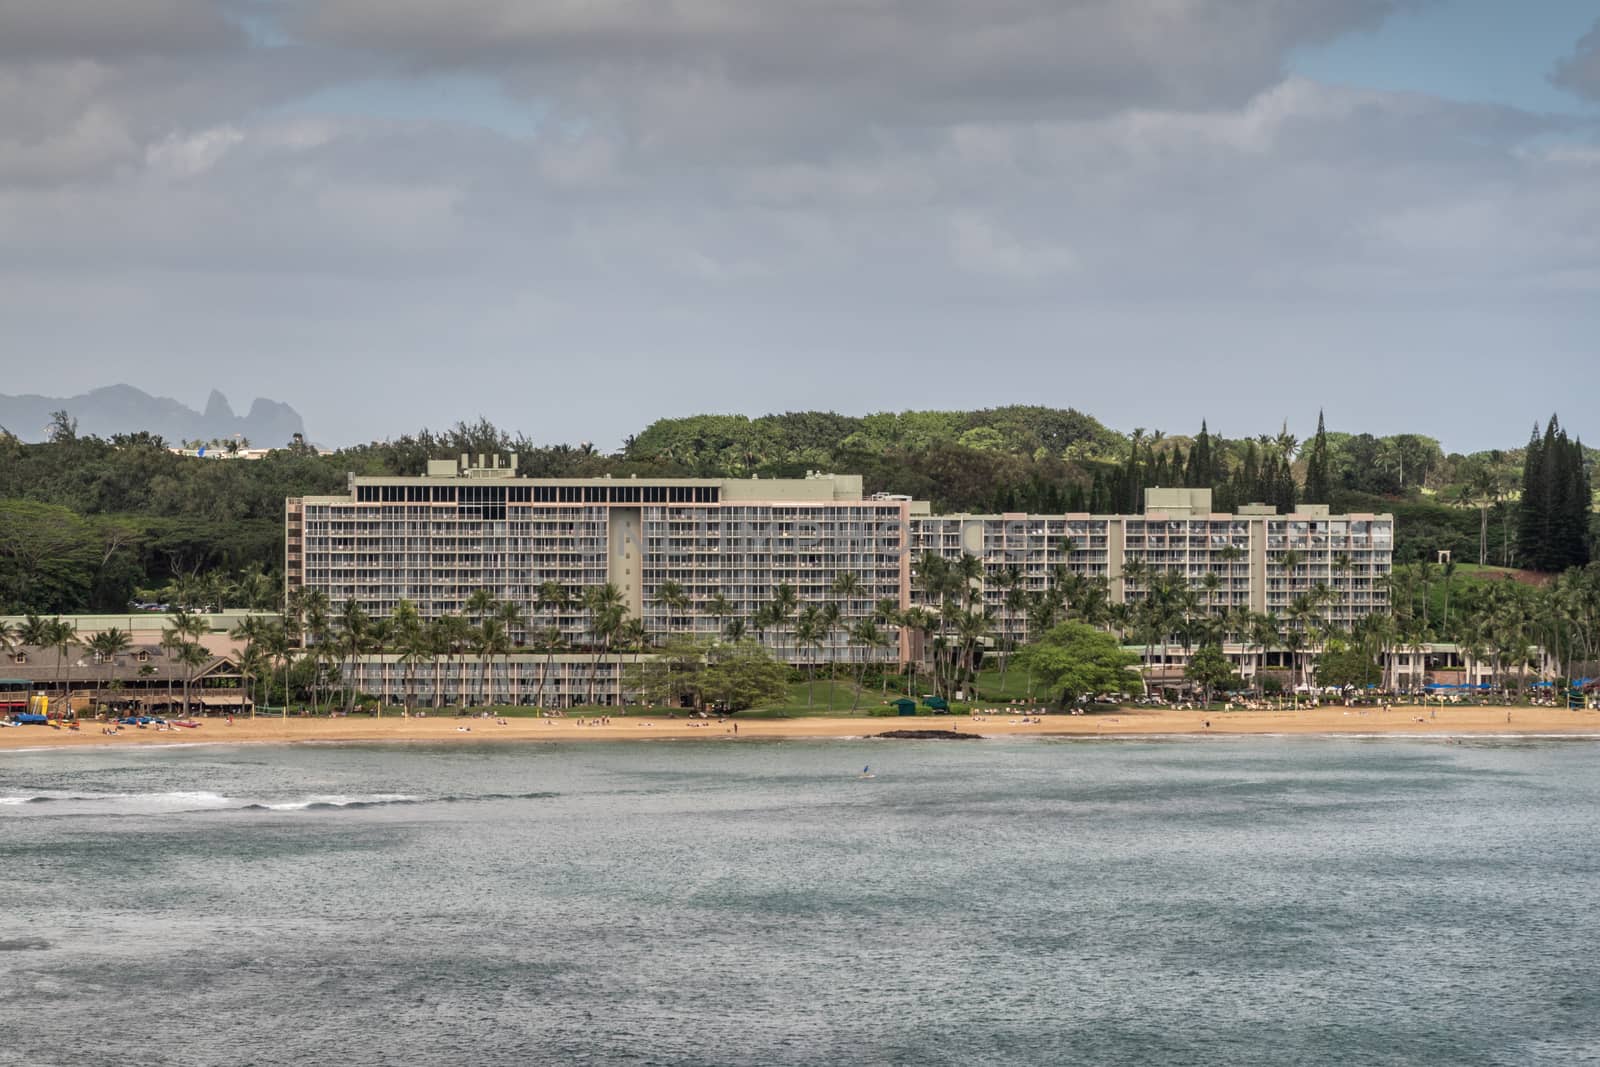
point(123, 408)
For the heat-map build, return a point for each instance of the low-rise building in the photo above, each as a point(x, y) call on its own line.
point(146, 677)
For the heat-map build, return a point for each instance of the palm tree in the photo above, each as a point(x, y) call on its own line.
point(1303, 617)
point(415, 645)
point(250, 630)
point(1482, 490)
point(34, 631)
point(355, 626)
point(883, 640)
point(63, 635)
point(634, 635)
point(277, 643)
point(846, 589)
point(606, 614)
point(450, 634)
point(512, 620)
point(810, 635)
point(918, 622)
point(1265, 632)
point(405, 631)
point(720, 608)
point(829, 619)
point(480, 605)
point(1015, 603)
point(253, 664)
point(107, 645)
point(1135, 572)
point(1289, 561)
point(319, 636)
point(555, 599)
point(549, 640)
point(185, 630)
point(489, 639)
point(886, 613)
point(192, 655)
point(971, 628)
point(1427, 571)
point(785, 601)
point(866, 634)
point(672, 599)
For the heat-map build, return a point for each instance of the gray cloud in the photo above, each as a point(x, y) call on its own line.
point(861, 60)
point(91, 29)
point(760, 206)
point(1580, 72)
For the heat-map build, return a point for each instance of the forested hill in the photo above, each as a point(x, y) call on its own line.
point(730, 443)
point(91, 523)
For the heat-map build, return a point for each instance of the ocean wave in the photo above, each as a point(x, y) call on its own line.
point(335, 801)
point(56, 798)
point(64, 803)
point(379, 800)
point(182, 801)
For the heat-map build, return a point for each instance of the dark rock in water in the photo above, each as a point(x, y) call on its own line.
point(930, 735)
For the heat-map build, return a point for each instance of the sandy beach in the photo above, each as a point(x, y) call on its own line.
point(1447, 721)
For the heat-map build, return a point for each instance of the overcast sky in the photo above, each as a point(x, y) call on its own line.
point(575, 216)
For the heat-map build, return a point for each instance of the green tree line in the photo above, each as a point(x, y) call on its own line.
point(92, 524)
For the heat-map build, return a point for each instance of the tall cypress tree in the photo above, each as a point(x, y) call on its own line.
point(1531, 510)
point(1198, 472)
point(1284, 492)
point(1101, 501)
point(1248, 477)
point(1579, 505)
point(1317, 487)
point(1553, 515)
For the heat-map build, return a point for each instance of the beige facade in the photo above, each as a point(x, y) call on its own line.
point(524, 679)
point(436, 539)
point(1178, 534)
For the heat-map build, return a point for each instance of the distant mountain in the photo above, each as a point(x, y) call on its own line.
point(124, 409)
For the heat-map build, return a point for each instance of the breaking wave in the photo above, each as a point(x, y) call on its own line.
point(178, 802)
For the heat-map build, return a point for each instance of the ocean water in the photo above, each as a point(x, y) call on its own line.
point(1199, 901)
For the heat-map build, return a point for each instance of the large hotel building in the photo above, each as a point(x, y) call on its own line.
point(437, 538)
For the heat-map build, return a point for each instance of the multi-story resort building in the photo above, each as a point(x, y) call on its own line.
point(728, 544)
point(1254, 559)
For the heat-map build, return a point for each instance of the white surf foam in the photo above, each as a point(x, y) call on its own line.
point(339, 800)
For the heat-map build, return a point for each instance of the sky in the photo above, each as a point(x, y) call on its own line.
point(577, 216)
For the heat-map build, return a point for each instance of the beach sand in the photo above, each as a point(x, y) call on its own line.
point(1449, 721)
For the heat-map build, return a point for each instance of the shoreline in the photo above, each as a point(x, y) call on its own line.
point(1408, 722)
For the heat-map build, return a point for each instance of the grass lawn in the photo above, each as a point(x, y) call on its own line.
point(797, 705)
point(1016, 687)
